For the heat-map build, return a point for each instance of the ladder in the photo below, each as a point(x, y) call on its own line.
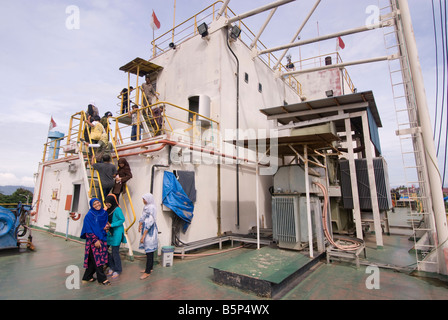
point(421, 215)
point(92, 180)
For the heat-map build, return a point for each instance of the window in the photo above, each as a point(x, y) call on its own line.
point(260, 87)
point(246, 77)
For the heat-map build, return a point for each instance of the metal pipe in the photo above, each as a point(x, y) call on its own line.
point(257, 178)
point(143, 152)
point(340, 65)
point(223, 8)
point(297, 33)
point(259, 10)
point(152, 174)
point(254, 42)
point(326, 37)
point(308, 204)
point(218, 204)
point(435, 182)
point(237, 132)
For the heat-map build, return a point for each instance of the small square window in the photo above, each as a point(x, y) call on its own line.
point(246, 77)
point(260, 87)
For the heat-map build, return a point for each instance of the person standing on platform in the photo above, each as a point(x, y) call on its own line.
point(149, 92)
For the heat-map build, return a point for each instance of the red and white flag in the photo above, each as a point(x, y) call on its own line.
point(155, 23)
point(340, 44)
point(52, 124)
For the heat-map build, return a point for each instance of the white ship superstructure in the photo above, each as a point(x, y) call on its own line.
point(256, 138)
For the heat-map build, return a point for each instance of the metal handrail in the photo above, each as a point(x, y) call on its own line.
point(271, 58)
point(167, 118)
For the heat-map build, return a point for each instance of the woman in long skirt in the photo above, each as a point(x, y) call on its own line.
point(94, 231)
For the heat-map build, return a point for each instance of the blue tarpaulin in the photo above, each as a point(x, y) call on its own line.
point(175, 198)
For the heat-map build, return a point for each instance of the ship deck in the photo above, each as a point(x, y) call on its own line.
point(41, 275)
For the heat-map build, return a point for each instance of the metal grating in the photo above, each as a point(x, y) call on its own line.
point(381, 181)
point(284, 222)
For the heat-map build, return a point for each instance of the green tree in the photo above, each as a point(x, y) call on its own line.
point(20, 195)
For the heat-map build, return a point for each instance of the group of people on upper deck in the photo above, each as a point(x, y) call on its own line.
point(149, 93)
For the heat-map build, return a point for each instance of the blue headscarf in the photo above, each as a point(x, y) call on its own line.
point(94, 222)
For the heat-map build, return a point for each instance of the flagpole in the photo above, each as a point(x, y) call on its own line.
point(174, 19)
point(318, 44)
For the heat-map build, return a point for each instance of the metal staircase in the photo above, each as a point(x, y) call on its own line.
point(91, 178)
point(421, 215)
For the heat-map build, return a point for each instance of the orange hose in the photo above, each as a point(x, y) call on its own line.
point(356, 244)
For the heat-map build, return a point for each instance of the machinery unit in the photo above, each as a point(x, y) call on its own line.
point(290, 220)
point(10, 223)
point(289, 209)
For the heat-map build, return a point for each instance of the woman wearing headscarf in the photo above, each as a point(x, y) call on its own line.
point(123, 175)
point(115, 236)
point(148, 228)
point(94, 231)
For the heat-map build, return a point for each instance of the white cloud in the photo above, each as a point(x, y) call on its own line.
point(7, 179)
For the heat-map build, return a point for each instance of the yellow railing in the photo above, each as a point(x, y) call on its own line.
point(188, 29)
point(75, 137)
point(173, 119)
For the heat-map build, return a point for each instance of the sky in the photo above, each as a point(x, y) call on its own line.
point(52, 65)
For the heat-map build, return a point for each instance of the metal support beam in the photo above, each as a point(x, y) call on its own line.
point(298, 32)
point(354, 183)
point(223, 8)
point(327, 37)
point(341, 65)
point(372, 181)
point(254, 42)
point(259, 10)
point(345, 107)
point(257, 181)
point(433, 172)
point(308, 204)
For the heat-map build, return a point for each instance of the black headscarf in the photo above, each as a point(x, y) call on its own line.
point(114, 204)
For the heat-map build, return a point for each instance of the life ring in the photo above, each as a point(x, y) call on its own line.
point(6, 224)
point(75, 216)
